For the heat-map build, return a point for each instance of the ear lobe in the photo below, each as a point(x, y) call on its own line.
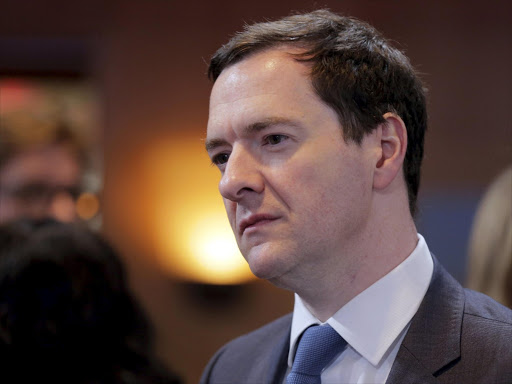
point(393, 142)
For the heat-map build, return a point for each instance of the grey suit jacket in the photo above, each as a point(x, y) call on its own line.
point(457, 336)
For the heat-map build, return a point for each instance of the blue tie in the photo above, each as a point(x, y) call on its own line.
point(317, 347)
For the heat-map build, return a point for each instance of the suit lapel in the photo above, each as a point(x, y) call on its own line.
point(433, 339)
point(408, 369)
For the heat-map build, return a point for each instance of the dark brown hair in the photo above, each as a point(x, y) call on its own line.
point(354, 70)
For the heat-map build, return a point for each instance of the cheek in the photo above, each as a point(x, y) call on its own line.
point(307, 193)
point(324, 190)
point(231, 212)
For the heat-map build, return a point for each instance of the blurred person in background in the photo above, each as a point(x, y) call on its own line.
point(49, 164)
point(490, 246)
point(42, 162)
point(66, 313)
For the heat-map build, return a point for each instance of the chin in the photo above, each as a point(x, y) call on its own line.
point(266, 263)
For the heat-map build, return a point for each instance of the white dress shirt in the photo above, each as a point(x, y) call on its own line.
point(373, 323)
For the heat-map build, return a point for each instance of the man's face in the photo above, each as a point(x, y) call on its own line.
point(40, 183)
point(297, 196)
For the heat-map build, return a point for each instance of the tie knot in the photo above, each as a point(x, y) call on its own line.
point(317, 347)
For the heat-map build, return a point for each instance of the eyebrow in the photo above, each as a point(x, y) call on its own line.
point(251, 128)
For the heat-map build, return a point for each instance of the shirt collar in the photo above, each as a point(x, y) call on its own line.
point(373, 320)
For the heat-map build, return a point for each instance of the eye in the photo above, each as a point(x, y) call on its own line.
point(220, 159)
point(274, 139)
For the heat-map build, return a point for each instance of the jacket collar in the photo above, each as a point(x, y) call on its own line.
point(433, 339)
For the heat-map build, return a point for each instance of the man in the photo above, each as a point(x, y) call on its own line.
point(42, 162)
point(317, 126)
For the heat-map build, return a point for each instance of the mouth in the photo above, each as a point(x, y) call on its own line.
point(255, 221)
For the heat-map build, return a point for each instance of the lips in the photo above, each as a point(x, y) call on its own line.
point(254, 220)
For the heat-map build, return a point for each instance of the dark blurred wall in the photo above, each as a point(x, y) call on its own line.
point(148, 59)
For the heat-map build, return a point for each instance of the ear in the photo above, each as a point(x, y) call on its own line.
point(393, 145)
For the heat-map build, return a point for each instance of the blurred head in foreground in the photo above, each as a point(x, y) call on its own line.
point(66, 314)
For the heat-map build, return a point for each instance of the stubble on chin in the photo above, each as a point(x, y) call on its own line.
point(268, 263)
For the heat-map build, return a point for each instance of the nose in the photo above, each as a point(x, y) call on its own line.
point(242, 175)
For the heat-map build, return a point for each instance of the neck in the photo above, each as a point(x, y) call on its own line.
point(388, 239)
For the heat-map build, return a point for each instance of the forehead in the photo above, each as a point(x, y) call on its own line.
point(273, 70)
point(270, 83)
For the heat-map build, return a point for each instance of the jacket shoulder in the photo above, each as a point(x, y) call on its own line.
point(250, 355)
point(486, 340)
point(457, 336)
point(487, 329)
point(485, 308)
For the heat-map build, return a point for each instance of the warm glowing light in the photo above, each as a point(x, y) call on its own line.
point(216, 253)
point(87, 206)
point(192, 235)
point(214, 245)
